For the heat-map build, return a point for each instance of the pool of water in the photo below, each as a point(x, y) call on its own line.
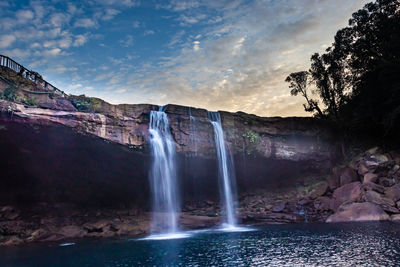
point(345, 244)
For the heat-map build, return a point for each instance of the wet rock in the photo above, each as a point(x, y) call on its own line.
point(370, 178)
point(72, 231)
point(304, 202)
point(278, 208)
point(209, 203)
point(38, 235)
point(7, 209)
point(11, 215)
point(53, 237)
point(393, 192)
point(348, 192)
point(366, 211)
point(395, 217)
point(318, 190)
point(323, 204)
point(96, 227)
point(13, 241)
point(190, 222)
point(275, 217)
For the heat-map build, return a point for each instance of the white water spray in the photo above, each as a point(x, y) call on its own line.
point(163, 175)
point(226, 171)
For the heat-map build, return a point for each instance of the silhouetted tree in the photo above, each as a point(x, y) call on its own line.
point(357, 79)
point(299, 82)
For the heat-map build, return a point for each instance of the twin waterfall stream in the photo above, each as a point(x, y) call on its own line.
point(163, 177)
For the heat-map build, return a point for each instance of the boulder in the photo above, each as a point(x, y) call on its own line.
point(38, 234)
point(370, 178)
point(333, 182)
point(97, 227)
point(350, 212)
point(13, 241)
point(385, 203)
point(323, 204)
point(375, 160)
point(375, 197)
point(395, 217)
point(12, 215)
point(390, 209)
point(348, 192)
point(318, 190)
point(278, 208)
point(371, 186)
point(362, 169)
point(72, 231)
point(386, 182)
point(393, 192)
point(347, 175)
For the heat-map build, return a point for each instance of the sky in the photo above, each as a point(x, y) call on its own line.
point(219, 55)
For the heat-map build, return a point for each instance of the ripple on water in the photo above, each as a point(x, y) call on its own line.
point(351, 244)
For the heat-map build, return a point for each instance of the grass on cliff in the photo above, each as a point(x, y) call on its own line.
point(86, 104)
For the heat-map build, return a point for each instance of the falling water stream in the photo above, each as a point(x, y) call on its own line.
point(163, 178)
point(226, 171)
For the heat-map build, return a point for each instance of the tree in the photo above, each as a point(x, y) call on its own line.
point(298, 83)
point(356, 79)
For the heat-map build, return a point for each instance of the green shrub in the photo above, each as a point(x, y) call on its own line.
point(10, 94)
point(30, 101)
point(251, 140)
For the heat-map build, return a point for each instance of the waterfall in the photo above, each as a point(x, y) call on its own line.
point(163, 174)
point(226, 170)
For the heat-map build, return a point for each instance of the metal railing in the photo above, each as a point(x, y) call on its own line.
point(30, 75)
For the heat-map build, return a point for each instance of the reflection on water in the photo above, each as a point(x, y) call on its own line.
point(353, 244)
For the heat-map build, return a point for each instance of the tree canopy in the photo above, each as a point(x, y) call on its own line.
point(357, 79)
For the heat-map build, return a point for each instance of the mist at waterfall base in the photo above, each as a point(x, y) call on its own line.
point(336, 244)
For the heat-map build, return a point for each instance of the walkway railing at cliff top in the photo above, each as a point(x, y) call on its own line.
point(28, 74)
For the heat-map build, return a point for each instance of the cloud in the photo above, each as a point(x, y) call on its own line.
point(85, 23)
point(127, 42)
point(123, 90)
point(245, 58)
point(80, 40)
point(7, 40)
point(148, 32)
point(181, 5)
point(196, 45)
point(126, 3)
point(24, 16)
point(110, 13)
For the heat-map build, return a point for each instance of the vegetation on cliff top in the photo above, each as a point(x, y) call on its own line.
point(356, 81)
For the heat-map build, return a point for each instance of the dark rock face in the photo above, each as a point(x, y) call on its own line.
point(59, 152)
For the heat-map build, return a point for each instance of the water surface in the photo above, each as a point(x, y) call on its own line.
point(347, 244)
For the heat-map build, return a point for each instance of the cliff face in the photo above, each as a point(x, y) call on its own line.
point(293, 139)
point(63, 152)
